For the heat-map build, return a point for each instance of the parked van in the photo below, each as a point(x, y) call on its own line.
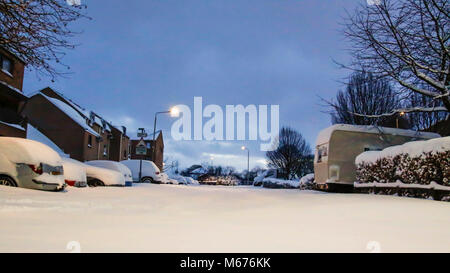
point(150, 172)
point(338, 146)
point(30, 164)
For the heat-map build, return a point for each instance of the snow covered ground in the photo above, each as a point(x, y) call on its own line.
point(167, 218)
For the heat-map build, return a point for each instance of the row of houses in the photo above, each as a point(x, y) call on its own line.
point(80, 133)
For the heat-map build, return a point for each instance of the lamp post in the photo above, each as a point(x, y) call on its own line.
point(174, 112)
point(248, 162)
point(396, 119)
point(142, 134)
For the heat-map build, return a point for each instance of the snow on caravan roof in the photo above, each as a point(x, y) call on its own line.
point(74, 115)
point(324, 135)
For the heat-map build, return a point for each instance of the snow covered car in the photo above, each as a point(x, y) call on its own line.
point(150, 172)
point(74, 173)
point(30, 164)
point(98, 177)
point(115, 166)
point(167, 180)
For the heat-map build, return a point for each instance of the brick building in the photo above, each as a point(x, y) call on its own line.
point(12, 98)
point(82, 134)
point(159, 150)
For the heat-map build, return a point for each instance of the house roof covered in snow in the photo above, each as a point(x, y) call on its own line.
point(14, 91)
point(325, 135)
point(74, 115)
point(85, 113)
point(17, 126)
point(36, 135)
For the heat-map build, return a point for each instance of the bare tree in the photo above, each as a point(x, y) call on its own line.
point(424, 120)
point(289, 157)
point(365, 95)
point(407, 41)
point(38, 31)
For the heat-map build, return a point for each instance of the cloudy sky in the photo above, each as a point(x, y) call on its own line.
point(138, 57)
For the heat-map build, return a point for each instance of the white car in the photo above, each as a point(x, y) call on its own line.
point(30, 164)
point(150, 172)
point(74, 172)
point(115, 166)
point(97, 177)
point(184, 180)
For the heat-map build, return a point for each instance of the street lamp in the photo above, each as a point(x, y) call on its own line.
point(396, 119)
point(174, 112)
point(243, 148)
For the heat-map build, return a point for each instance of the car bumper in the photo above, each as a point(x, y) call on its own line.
point(46, 186)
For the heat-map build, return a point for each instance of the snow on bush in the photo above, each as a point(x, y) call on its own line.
point(258, 180)
point(416, 162)
point(307, 182)
point(275, 183)
point(191, 181)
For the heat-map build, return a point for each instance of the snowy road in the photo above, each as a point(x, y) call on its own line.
point(165, 218)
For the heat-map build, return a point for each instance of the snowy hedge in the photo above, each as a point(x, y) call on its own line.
point(417, 162)
point(275, 183)
point(307, 182)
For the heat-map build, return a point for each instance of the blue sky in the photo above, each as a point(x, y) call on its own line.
point(139, 57)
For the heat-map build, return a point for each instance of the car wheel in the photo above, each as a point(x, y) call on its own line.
point(96, 183)
point(7, 181)
point(147, 180)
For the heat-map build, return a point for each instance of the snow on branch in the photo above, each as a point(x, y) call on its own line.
point(403, 111)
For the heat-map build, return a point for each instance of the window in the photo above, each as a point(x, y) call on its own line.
point(371, 149)
point(105, 150)
point(125, 153)
point(6, 65)
point(148, 145)
point(90, 141)
point(322, 153)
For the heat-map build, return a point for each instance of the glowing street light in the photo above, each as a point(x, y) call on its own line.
point(174, 112)
point(401, 114)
